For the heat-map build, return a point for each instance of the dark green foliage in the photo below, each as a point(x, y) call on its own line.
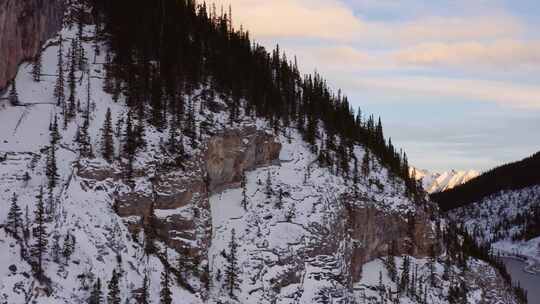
point(323, 296)
point(366, 165)
point(83, 136)
point(36, 67)
point(51, 171)
point(14, 217)
point(113, 297)
point(243, 184)
point(170, 50)
point(39, 249)
point(55, 134)
point(13, 97)
point(405, 274)
point(390, 262)
point(96, 295)
point(279, 202)
point(107, 142)
point(69, 246)
point(467, 247)
point(268, 186)
point(149, 226)
point(165, 295)
point(457, 294)
point(232, 277)
point(59, 86)
point(72, 85)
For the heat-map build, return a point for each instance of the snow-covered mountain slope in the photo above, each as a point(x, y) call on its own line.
point(509, 220)
point(377, 285)
point(240, 213)
point(438, 182)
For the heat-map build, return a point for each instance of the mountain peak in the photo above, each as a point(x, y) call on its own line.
point(434, 182)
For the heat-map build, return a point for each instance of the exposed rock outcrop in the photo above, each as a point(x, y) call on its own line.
point(233, 152)
point(180, 196)
point(374, 230)
point(24, 26)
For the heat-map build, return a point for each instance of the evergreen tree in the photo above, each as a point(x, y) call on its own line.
point(447, 269)
point(356, 174)
point(322, 296)
point(243, 184)
point(391, 267)
point(211, 51)
point(59, 86)
point(139, 133)
point(405, 274)
point(143, 296)
point(96, 295)
point(14, 217)
point(55, 250)
point(165, 295)
point(291, 213)
point(72, 85)
point(40, 234)
point(107, 137)
point(232, 279)
point(26, 226)
point(113, 297)
point(150, 231)
point(83, 136)
point(82, 61)
point(13, 97)
point(157, 119)
point(172, 142)
point(381, 288)
point(52, 169)
point(129, 141)
point(68, 247)
point(268, 188)
point(365, 164)
point(108, 81)
point(55, 134)
point(36, 67)
point(279, 202)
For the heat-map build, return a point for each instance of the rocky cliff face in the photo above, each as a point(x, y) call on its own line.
point(373, 231)
point(179, 195)
point(230, 154)
point(24, 26)
point(303, 233)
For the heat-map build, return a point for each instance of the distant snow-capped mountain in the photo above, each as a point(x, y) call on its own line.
point(438, 182)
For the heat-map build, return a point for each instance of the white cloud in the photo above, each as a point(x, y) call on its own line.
point(506, 94)
point(329, 36)
point(333, 20)
point(321, 19)
point(501, 53)
point(450, 29)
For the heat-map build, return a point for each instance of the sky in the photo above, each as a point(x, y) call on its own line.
point(456, 82)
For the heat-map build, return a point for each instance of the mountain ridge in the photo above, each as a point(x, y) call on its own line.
point(204, 195)
point(434, 182)
point(512, 176)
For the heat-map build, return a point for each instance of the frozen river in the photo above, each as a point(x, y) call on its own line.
point(529, 282)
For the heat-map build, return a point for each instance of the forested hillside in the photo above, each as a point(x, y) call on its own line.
point(160, 52)
point(513, 176)
point(159, 156)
